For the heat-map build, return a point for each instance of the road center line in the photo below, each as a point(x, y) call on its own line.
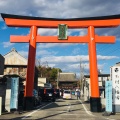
point(36, 110)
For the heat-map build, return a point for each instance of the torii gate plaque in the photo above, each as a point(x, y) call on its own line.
point(38, 22)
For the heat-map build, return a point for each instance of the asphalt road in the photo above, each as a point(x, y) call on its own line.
point(59, 110)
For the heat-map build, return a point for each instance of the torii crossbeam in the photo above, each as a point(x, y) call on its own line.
point(91, 38)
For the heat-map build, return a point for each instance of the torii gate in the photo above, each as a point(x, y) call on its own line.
point(91, 38)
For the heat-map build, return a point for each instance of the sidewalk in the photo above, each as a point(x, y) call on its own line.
point(100, 114)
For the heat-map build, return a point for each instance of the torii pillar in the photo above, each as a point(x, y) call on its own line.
point(95, 99)
point(30, 70)
point(91, 38)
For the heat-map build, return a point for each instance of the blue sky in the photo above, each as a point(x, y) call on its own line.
point(64, 56)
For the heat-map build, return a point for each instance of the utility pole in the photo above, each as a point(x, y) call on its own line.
point(81, 76)
point(57, 78)
point(80, 73)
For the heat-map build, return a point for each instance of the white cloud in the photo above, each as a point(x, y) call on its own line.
point(61, 59)
point(77, 32)
point(48, 32)
point(45, 53)
point(74, 59)
point(51, 65)
point(23, 53)
point(39, 53)
point(100, 57)
point(51, 45)
point(7, 44)
point(76, 51)
point(72, 63)
point(74, 67)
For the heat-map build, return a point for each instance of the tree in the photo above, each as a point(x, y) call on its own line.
point(53, 75)
point(45, 71)
point(42, 68)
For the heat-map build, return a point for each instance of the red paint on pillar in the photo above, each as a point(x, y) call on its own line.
point(31, 63)
point(93, 63)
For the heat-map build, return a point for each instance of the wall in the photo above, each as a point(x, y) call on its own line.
point(1, 64)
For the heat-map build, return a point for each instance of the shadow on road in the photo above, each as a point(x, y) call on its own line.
point(54, 105)
point(57, 114)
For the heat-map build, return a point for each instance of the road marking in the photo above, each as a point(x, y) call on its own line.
point(68, 108)
point(109, 119)
point(88, 112)
point(36, 111)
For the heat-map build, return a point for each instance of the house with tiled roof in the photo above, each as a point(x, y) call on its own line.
point(15, 65)
point(67, 80)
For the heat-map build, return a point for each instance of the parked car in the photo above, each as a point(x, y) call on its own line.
point(37, 98)
point(47, 94)
point(73, 92)
point(57, 93)
point(41, 93)
point(61, 92)
point(50, 95)
point(67, 94)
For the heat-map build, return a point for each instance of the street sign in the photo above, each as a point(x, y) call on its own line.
point(62, 31)
point(108, 94)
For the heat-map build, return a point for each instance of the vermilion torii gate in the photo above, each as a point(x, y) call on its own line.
point(91, 38)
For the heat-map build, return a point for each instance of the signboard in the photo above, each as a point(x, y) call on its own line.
point(62, 31)
point(14, 93)
point(41, 81)
point(116, 85)
point(108, 95)
point(115, 77)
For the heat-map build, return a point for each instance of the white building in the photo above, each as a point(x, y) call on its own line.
point(87, 89)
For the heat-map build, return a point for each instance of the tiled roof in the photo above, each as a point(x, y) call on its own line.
point(67, 77)
point(99, 75)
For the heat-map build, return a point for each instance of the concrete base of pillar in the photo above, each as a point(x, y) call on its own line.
point(28, 103)
point(95, 104)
